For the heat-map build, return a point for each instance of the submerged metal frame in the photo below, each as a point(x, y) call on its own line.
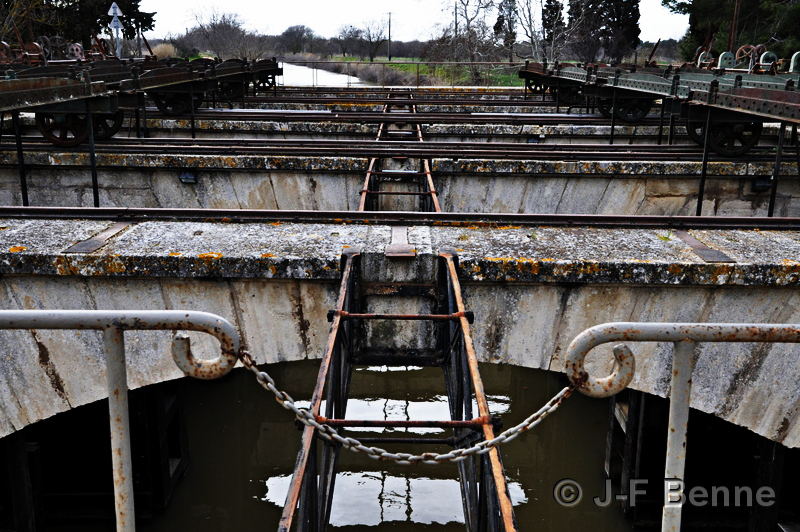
point(113, 325)
point(685, 337)
point(487, 505)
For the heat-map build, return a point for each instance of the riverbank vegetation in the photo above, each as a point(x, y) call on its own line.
point(495, 36)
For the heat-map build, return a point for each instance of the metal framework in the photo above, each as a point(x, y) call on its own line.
point(487, 505)
point(377, 174)
point(486, 501)
point(685, 337)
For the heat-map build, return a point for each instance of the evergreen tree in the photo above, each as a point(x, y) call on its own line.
point(586, 28)
point(770, 22)
point(552, 20)
point(620, 33)
point(74, 20)
point(506, 26)
point(612, 25)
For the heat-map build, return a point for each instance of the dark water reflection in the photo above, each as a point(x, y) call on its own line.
point(243, 447)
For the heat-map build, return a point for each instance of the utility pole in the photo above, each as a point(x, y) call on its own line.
point(455, 18)
point(737, 5)
point(389, 46)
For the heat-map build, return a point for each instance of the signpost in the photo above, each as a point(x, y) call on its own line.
point(115, 12)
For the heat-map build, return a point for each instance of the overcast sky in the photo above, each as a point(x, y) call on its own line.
point(411, 19)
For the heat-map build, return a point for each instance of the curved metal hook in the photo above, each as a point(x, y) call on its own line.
point(204, 369)
point(601, 387)
point(658, 332)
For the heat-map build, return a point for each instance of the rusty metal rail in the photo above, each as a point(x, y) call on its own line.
point(16, 94)
point(378, 174)
point(487, 505)
point(404, 219)
point(486, 502)
point(113, 324)
point(685, 337)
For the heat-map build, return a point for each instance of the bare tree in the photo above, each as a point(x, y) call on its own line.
point(472, 31)
point(348, 39)
point(22, 15)
point(374, 35)
point(529, 19)
point(223, 35)
point(548, 37)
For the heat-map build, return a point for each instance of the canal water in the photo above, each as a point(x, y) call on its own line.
point(302, 76)
point(243, 446)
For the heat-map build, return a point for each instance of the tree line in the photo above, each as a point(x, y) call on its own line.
point(480, 30)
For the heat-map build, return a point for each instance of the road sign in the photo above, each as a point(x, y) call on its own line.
point(116, 23)
point(114, 11)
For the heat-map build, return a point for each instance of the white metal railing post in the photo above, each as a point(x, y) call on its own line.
point(679, 400)
point(685, 337)
point(121, 460)
point(113, 324)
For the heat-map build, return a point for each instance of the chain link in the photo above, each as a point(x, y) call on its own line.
point(456, 455)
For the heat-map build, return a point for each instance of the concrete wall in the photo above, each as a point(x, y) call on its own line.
point(325, 183)
point(43, 373)
point(532, 290)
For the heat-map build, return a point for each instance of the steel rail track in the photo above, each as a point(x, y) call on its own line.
point(439, 219)
point(371, 149)
point(389, 148)
point(359, 117)
point(374, 89)
point(398, 149)
point(335, 100)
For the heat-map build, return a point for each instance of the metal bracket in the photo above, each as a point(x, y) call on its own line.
point(99, 240)
point(706, 253)
point(399, 247)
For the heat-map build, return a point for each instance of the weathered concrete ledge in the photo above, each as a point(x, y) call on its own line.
point(621, 169)
point(532, 289)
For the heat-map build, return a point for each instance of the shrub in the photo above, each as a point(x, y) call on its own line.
point(165, 50)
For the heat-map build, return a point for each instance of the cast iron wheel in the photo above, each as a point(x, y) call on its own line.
point(231, 90)
point(696, 131)
point(175, 104)
point(632, 111)
point(265, 83)
point(65, 130)
point(535, 86)
point(733, 139)
point(108, 125)
point(604, 106)
point(569, 95)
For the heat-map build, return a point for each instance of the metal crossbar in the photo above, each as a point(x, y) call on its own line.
point(113, 324)
point(685, 337)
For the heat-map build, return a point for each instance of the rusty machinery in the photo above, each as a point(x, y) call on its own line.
point(176, 87)
point(737, 102)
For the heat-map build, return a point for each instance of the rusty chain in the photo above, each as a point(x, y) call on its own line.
point(457, 455)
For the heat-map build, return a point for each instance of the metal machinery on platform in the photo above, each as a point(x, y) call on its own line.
point(732, 105)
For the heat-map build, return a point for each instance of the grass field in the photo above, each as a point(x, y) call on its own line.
point(497, 75)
